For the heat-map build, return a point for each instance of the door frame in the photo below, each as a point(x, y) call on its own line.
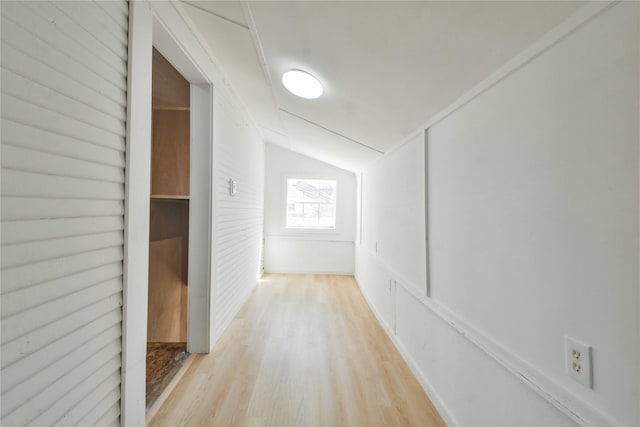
point(147, 30)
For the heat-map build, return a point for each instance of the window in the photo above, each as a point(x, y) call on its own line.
point(311, 203)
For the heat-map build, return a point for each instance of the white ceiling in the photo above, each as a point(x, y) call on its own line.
point(386, 67)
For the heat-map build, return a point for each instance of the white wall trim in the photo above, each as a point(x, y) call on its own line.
point(306, 238)
point(175, 52)
point(359, 194)
point(427, 246)
point(569, 404)
point(569, 25)
point(337, 170)
point(220, 79)
point(136, 217)
point(326, 273)
point(435, 398)
point(399, 277)
point(200, 219)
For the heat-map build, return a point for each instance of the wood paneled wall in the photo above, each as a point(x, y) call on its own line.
point(166, 318)
point(170, 89)
point(170, 153)
point(170, 219)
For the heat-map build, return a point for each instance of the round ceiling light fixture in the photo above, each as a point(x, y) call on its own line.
point(302, 84)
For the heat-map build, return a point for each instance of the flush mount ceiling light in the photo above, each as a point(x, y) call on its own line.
point(302, 84)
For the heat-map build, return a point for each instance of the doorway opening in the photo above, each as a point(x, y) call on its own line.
point(191, 209)
point(168, 228)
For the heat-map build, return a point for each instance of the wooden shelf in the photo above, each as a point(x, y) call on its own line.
point(161, 108)
point(169, 197)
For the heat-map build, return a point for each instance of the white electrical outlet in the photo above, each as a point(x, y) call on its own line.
point(578, 361)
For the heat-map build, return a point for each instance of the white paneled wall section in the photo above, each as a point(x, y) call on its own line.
point(533, 235)
point(64, 79)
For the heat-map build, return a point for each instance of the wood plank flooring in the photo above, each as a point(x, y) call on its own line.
point(305, 350)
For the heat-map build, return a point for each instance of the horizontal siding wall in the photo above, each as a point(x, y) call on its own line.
point(64, 74)
point(237, 244)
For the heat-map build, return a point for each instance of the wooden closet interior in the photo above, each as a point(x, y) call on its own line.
point(169, 226)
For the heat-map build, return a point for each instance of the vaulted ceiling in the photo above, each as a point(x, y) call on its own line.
point(386, 67)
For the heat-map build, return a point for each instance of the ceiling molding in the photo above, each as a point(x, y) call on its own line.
point(273, 130)
point(239, 24)
point(262, 58)
point(257, 44)
point(331, 131)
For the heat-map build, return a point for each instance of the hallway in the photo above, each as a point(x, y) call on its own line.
point(305, 350)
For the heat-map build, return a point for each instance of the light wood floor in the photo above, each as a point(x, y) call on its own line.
point(306, 350)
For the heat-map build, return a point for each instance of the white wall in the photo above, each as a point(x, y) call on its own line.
point(238, 219)
point(393, 212)
point(533, 226)
point(303, 251)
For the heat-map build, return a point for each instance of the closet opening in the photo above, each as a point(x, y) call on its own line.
point(168, 291)
point(168, 228)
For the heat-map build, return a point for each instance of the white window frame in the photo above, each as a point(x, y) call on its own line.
point(314, 230)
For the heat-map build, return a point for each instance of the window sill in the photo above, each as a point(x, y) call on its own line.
point(298, 231)
point(309, 238)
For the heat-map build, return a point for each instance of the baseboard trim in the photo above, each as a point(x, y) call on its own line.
point(579, 411)
point(329, 273)
point(433, 395)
